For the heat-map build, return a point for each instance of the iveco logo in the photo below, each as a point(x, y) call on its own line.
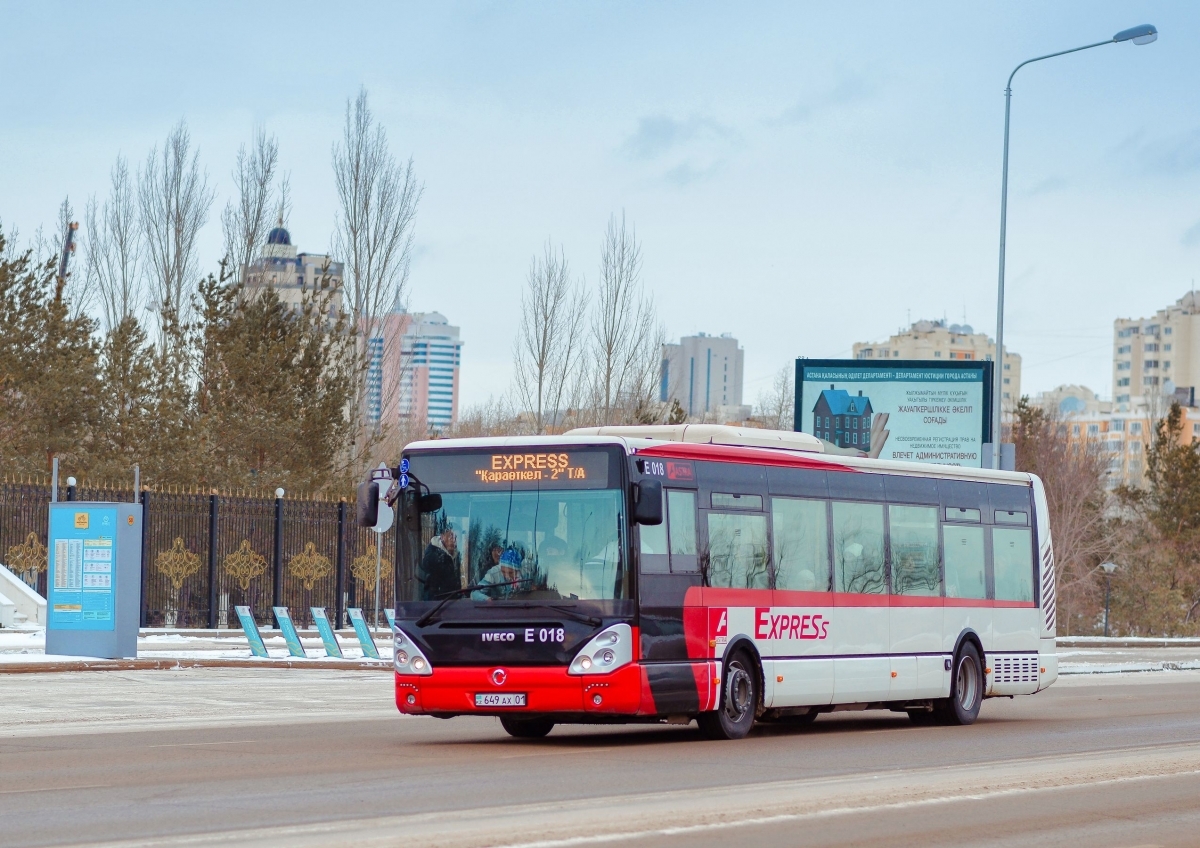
point(497, 636)
point(499, 676)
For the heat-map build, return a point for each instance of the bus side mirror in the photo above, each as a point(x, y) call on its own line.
point(647, 502)
point(429, 503)
point(368, 504)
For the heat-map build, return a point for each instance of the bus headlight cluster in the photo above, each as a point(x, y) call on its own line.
point(408, 658)
point(608, 650)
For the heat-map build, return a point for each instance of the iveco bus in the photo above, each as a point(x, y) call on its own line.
point(715, 574)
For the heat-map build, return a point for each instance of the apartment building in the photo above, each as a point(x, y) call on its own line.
point(1158, 356)
point(937, 340)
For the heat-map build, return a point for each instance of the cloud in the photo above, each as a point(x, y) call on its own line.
point(1191, 236)
point(1170, 156)
point(847, 91)
point(659, 134)
point(1048, 185)
point(1173, 155)
point(683, 150)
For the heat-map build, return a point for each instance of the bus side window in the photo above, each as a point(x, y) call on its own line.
point(737, 550)
point(965, 575)
point(914, 537)
point(681, 519)
point(653, 549)
point(858, 548)
point(801, 544)
point(1012, 563)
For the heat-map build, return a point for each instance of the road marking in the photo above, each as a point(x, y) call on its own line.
point(200, 744)
point(54, 789)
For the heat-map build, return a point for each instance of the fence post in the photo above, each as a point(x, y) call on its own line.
point(340, 580)
point(212, 561)
point(145, 555)
point(277, 582)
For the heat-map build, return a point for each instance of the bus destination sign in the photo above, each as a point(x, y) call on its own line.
point(531, 468)
point(480, 472)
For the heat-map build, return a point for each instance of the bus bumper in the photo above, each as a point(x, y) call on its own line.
point(547, 690)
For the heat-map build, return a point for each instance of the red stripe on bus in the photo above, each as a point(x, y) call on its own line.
point(708, 596)
point(733, 453)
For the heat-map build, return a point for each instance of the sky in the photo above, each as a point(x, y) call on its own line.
point(802, 176)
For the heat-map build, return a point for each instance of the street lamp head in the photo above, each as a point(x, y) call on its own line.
point(1109, 567)
point(1143, 34)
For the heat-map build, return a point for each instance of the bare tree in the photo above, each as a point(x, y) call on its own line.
point(174, 199)
point(112, 252)
point(245, 223)
point(626, 337)
point(550, 340)
point(777, 405)
point(377, 200)
point(75, 290)
point(1073, 474)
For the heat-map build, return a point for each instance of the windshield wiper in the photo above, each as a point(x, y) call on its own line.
point(567, 611)
point(432, 615)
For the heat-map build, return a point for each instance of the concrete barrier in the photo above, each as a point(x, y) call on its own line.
point(25, 601)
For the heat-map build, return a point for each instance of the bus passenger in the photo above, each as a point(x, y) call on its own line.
point(502, 579)
point(438, 573)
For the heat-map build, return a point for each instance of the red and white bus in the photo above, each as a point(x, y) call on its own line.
point(716, 574)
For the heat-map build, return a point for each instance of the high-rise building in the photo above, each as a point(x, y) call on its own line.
point(432, 354)
point(413, 370)
point(290, 273)
point(935, 340)
point(704, 374)
point(1158, 356)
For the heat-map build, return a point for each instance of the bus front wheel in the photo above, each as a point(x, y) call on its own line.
point(966, 688)
point(738, 705)
point(527, 728)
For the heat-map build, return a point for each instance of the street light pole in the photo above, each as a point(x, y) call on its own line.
point(1108, 568)
point(1143, 34)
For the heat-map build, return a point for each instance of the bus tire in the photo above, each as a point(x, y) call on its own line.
point(966, 688)
point(740, 695)
point(527, 728)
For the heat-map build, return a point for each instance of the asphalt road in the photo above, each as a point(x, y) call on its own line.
point(298, 758)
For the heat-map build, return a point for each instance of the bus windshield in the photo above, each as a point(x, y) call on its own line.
point(501, 534)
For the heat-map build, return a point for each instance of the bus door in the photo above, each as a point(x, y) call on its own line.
point(668, 567)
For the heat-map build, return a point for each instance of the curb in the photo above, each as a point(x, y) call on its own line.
point(41, 667)
point(1117, 642)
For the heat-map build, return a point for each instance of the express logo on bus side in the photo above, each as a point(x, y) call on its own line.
point(768, 625)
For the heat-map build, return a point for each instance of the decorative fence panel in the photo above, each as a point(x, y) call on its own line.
point(204, 554)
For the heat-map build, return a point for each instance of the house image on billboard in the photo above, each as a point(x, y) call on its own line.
point(843, 419)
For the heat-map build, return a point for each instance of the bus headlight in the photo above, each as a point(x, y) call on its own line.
point(609, 649)
point(408, 658)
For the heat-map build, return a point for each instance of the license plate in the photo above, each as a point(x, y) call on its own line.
point(500, 699)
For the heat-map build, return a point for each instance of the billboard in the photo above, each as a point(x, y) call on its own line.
point(906, 410)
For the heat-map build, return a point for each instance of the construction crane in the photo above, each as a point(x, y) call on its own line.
point(67, 251)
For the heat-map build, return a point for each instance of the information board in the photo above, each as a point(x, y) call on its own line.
point(93, 584)
point(363, 633)
point(907, 410)
point(250, 628)
point(83, 580)
point(328, 637)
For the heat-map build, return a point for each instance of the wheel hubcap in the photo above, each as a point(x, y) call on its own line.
point(968, 681)
point(739, 692)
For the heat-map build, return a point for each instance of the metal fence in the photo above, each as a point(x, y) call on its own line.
point(204, 554)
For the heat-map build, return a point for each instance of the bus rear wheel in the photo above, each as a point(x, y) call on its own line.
point(738, 705)
point(527, 728)
point(966, 688)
